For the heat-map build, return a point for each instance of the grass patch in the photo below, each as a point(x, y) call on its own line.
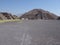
point(15, 20)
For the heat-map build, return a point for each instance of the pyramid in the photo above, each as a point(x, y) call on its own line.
point(39, 14)
point(5, 16)
point(58, 18)
point(2, 17)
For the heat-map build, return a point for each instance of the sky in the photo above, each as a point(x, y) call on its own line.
point(22, 6)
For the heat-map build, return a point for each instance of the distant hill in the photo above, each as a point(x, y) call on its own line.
point(39, 14)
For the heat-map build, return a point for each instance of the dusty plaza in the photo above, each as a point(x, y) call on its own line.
point(30, 32)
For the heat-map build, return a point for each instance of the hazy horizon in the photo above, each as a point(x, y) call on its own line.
point(22, 6)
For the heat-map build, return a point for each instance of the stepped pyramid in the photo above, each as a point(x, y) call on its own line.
point(39, 14)
point(6, 16)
